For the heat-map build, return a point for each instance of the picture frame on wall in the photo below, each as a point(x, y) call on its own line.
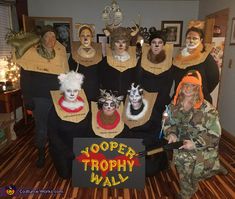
point(35, 24)
point(232, 38)
point(63, 34)
point(174, 31)
point(103, 39)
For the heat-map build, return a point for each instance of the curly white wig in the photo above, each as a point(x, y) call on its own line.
point(70, 80)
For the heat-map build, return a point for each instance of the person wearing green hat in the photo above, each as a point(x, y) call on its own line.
point(40, 65)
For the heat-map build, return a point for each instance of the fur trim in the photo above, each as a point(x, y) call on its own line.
point(159, 68)
point(71, 107)
point(122, 58)
point(140, 115)
point(108, 126)
point(84, 60)
point(71, 80)
point(197, 57)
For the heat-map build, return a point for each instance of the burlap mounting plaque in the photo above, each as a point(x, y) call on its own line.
point(151, 99)
point(66, 116)
point(122, 66)
point(157, 69)
point(104, 132)
point(32, 61)
point(87, 61)
point(194, 59)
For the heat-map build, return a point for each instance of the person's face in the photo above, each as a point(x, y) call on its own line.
point(135, 100)
point(71, 95)
point(120, 46)
point(189, 89)
point(156, 46)
point(63, 33)
point(193, 40)
point(49, 40)
point(85, 37)
point(109, 107)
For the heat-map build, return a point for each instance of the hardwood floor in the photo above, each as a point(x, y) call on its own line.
point(17, 167)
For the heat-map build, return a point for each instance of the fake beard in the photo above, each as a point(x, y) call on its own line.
point(192, 46)
point(156, 59)
point(185, 51)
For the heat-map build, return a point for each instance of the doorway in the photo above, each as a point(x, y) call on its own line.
point(216, 24)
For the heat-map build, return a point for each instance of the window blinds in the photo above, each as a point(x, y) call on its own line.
point(5, 25)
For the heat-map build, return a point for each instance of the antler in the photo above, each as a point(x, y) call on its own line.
point(134, 31)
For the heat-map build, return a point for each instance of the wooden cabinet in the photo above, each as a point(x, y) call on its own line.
point(9, 102)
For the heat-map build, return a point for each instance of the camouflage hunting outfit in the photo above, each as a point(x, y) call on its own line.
point(203, 128)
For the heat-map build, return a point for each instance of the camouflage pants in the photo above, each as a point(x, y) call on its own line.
point(191, 171)
point(188, 182)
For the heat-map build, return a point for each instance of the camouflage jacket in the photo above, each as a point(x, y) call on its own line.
point(198, 125)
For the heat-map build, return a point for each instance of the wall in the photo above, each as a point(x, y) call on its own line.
point(89, 11)
point(226, 104)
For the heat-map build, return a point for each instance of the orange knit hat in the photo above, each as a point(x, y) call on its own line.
point(192, 77)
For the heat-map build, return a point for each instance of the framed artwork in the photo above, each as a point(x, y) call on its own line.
point(62, 25)
point(103, 39)
point(174, 31)
point(232, 38)
point(63, 34)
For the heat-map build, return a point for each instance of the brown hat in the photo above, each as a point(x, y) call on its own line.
point(47, 28)
point(161, 34)
point(120, 33)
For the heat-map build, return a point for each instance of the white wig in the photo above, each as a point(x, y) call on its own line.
point(70, 80)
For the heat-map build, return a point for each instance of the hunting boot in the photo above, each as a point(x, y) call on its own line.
point(223, 171)
point(41, 158)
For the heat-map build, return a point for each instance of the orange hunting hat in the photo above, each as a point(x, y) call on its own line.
point(195, 78)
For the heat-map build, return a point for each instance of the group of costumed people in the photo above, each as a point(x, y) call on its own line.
point(124, 95)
